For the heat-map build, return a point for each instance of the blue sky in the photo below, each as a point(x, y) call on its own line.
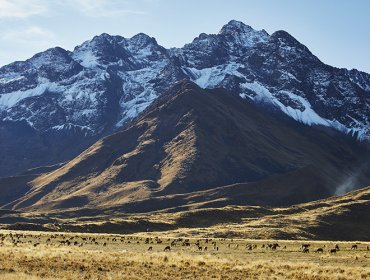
point(337, 31)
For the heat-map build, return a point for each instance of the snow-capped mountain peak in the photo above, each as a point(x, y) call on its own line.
point(141, 40)
point(234, 26)
point(108, 80)
point(242, 34)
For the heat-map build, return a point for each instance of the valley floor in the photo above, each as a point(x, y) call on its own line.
point(40, 255)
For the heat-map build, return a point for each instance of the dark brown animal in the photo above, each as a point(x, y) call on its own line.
point(320, 250)
point(305, 246)
point(354, 247)
point(306, 250)
point(150, 248)
point(168, 248)
point(333, 251)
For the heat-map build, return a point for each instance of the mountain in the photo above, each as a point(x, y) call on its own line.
point(57, 103)
point(203, 147)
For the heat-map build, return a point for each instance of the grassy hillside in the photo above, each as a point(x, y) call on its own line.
point(337, 218)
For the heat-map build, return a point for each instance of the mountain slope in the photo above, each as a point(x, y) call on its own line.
point(336, 218)
point(91, 92)
point(192, 140)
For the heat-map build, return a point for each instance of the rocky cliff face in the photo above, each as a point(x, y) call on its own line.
point(67, 100)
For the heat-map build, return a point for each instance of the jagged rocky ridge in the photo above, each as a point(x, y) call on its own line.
point(63, 101)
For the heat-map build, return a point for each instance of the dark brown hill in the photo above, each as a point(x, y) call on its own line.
point(192, 141)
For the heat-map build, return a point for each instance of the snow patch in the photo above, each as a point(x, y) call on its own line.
point(86, 58)
point(307, 116)
point(10, 80)
point(212, 77)
point(70, 126)
point(288, 76)
point(9, 100)
point(137, 83)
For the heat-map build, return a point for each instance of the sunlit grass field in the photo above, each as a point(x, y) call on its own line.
point(39, 255)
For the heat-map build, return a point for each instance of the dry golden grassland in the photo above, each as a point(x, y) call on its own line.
point(38, 255)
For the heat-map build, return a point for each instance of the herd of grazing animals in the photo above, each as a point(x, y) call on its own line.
point(199, 245)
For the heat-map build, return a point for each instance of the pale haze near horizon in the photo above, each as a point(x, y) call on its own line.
point(337, 32)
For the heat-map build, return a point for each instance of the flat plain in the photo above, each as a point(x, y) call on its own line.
point(49, 255)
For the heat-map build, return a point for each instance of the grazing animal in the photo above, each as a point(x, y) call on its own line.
point(337, 247)
point(200, 248)
point(354, 247)
point(305, 246)
point(306, 250)
point(320, 250)
point(150, 248)
point(168, 248)
point(367, 248)
point(333, 251)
